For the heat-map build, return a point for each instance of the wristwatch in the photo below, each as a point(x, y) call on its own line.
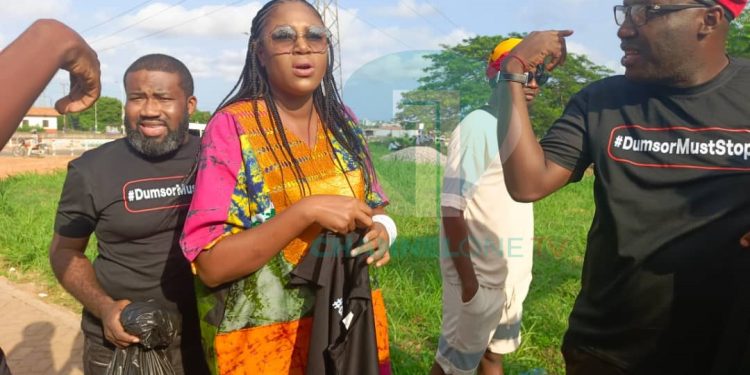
point(520, 78)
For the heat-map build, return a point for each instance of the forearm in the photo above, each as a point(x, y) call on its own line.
point(243, 253)
point(28, 64)
point(524, 163)
point(457, 237)
point(76, 274)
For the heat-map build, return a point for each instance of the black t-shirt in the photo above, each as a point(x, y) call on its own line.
point(664, 277)
point(136, 206)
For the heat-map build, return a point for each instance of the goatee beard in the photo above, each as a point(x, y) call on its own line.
point(153, 147)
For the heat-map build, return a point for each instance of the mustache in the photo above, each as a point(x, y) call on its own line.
point(150, 121)
point(139, 120)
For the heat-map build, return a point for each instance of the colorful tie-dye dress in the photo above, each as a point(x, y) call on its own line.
point(257, 324)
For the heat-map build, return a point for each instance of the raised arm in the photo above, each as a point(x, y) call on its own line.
point(529, 176)
point(29, 63)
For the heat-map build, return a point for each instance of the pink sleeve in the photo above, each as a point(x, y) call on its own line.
point(219, 163)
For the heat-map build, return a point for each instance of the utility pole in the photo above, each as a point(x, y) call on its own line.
point(329, 9)
point(96, 117)
point(64, 115)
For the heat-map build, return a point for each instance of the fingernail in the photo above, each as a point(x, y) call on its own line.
point(365, 240)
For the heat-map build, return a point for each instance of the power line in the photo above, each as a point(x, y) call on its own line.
point(171, 27)
point(378, 29)
point(406, 4)
point(442, 14)
point(117, 16)
point(138, 22)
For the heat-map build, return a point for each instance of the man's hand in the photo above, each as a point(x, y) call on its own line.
point(376, 241)
point(113, 330)
point(745, 240)
point(539, 47)
point(469, 288)
point(82, 63)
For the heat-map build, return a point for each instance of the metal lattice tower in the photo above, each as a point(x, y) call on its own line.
point(329, 9)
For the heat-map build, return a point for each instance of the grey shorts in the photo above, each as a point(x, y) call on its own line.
point(490, 321)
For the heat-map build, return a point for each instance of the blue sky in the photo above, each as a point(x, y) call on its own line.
point(379, 39)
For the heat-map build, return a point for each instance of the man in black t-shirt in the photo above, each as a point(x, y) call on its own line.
point(665, 275)
point(133, 194)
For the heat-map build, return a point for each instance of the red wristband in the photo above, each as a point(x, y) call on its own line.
point(520, 60)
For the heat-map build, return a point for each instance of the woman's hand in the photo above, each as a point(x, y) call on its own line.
point(376, 241)
point(337, 213)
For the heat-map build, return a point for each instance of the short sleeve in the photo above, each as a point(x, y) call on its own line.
point(472, 148)
point(219, 165)
point(565, 143)
point(76, 213)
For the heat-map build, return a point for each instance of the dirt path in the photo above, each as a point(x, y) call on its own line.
point(10, 165)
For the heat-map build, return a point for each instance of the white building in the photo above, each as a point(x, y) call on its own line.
point(390, 130)
point(196, 128)
point(41, 117)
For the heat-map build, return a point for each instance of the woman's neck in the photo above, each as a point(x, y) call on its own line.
point(296, 108)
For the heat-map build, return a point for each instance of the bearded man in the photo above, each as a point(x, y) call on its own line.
point(133, 194)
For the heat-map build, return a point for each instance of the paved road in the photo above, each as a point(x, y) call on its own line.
point(38, 338)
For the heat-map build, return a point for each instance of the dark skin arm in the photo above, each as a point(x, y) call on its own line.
point(457, 234)
point(529, 176)
point(76, 274)
point(245, 252)
point(29, 63)
point(377, 242)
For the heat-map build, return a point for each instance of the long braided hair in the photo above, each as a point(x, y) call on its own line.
point(253, 85)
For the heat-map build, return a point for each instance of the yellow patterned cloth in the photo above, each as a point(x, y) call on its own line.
point(257, 325)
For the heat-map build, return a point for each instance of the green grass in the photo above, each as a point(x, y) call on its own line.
point(411, 282)
point(27, 215)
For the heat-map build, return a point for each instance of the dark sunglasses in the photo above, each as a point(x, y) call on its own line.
point(540, 75)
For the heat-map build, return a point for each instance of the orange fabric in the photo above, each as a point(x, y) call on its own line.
point(265, 349)
point(317, 163)
point(381, 326)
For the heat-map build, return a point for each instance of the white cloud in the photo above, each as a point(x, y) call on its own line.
point(108, 45)
point(226, 66)
point(362, 43)
point(405, 9)
point(204, 21)
point(34, 9)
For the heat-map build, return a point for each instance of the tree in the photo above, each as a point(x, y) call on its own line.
point(106, 112)
point(455, 77)
point(459, 73)
point(738, 40)
point(200, 117)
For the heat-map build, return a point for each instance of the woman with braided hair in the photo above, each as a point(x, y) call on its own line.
point(282, 161)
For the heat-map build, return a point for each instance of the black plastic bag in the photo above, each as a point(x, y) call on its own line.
point(156, 329)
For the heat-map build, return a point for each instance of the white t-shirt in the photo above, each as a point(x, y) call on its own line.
point(501, 230)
